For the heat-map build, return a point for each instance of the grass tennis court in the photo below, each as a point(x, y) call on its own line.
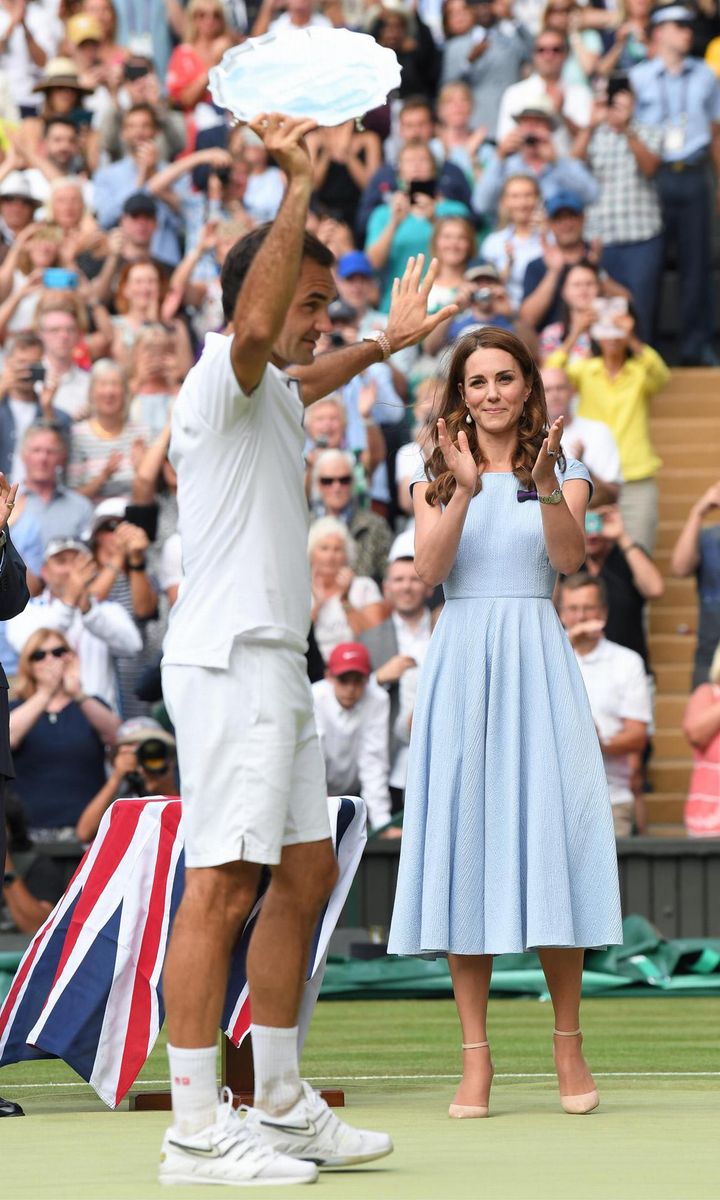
point(657, 1064)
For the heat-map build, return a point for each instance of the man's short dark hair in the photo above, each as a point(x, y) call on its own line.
point(142, 106)
point(26, 340)
point(240, 258)
point(415, 102)
point(582, 579)
point(59, 119)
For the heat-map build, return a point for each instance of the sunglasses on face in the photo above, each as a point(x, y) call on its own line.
point(328, 480)
point(549, 49)
point(40, 655)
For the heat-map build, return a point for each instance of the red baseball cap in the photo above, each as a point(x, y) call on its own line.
point(349, 656)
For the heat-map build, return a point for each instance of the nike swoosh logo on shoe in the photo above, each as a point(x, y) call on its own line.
point(308, 1128)
point(198, 1151)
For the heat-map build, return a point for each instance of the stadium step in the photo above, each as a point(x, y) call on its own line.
point(685, 429)
point(673, 830)
point(684, 483)
point(677, 591)
point(670, 775)
point(670, 744)
point(669, 618)
point(672, 432)
point(665, 808)
point(671, 647)
point(669, 710)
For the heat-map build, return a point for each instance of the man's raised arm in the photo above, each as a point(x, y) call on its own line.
point(270, 283)
point(408, 323)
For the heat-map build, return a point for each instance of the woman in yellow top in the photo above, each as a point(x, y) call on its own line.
point(616, 386)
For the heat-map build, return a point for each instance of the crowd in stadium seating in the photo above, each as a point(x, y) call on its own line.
point(550, 155)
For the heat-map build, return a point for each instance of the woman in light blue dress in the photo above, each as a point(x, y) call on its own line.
point(508, 838)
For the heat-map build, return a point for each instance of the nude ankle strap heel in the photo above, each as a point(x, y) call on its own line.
point(463, 1112)
point(585, 1102)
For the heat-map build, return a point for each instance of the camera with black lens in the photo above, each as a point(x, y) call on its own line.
point(153, 756)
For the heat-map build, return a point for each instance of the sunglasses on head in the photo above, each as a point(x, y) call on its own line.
point(327, 480)
point(57, 652)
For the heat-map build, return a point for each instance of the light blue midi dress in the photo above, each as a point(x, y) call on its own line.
point(508, 839)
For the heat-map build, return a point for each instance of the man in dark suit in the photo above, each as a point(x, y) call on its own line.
point(14, 595)
point(397, 649)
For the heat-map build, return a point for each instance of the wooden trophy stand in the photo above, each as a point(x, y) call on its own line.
point(237, 1074)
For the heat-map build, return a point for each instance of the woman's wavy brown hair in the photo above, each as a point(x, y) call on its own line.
point(532, 427)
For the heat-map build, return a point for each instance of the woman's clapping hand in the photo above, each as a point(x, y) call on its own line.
point(458, 458)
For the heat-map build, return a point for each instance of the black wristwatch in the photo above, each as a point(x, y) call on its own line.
point(137, 566)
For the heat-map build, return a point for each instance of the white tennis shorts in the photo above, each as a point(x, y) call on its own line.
point(252, 775)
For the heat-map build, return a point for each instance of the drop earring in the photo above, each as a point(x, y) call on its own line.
point(468, 419)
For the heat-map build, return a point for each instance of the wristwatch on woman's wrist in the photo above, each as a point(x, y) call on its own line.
point(554, 497)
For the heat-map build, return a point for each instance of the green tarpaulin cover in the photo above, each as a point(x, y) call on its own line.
point(645, 963)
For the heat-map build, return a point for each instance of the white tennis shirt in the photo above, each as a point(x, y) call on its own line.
point(243, 513)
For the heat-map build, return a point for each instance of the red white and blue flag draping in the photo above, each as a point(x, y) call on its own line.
point(89, 987)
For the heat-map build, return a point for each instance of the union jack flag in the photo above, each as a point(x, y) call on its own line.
point(89, 987)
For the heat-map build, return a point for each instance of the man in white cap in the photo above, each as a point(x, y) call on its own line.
point(17, 206)
point(529, 149)
point(143, 763)
point(98, 630)
point(681, 96)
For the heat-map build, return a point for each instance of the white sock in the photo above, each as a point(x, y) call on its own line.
point(277, 1073)
point(193, 1084)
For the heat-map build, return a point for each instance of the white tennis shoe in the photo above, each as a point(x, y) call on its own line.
point(310, 1131)
point(230, 1151)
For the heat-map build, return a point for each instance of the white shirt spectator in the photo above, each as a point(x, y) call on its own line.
point(24, 415)
point(408, 461)
point(100, 634)
point(599, 448)
point(170, 569)
point(8, 107)
point(21, 72)
point(618, 691)
point(577, 102)
point(524, 250)
point(354, 743)
point(331, 624)
point(317, 20)
point(72, 393)
point(415, 644)
point(264, 194)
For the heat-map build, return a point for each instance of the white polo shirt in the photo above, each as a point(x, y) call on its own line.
point(243, 514)
point(618, 691)
point(354, 742)
point(600, 453)
point(415, 643)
